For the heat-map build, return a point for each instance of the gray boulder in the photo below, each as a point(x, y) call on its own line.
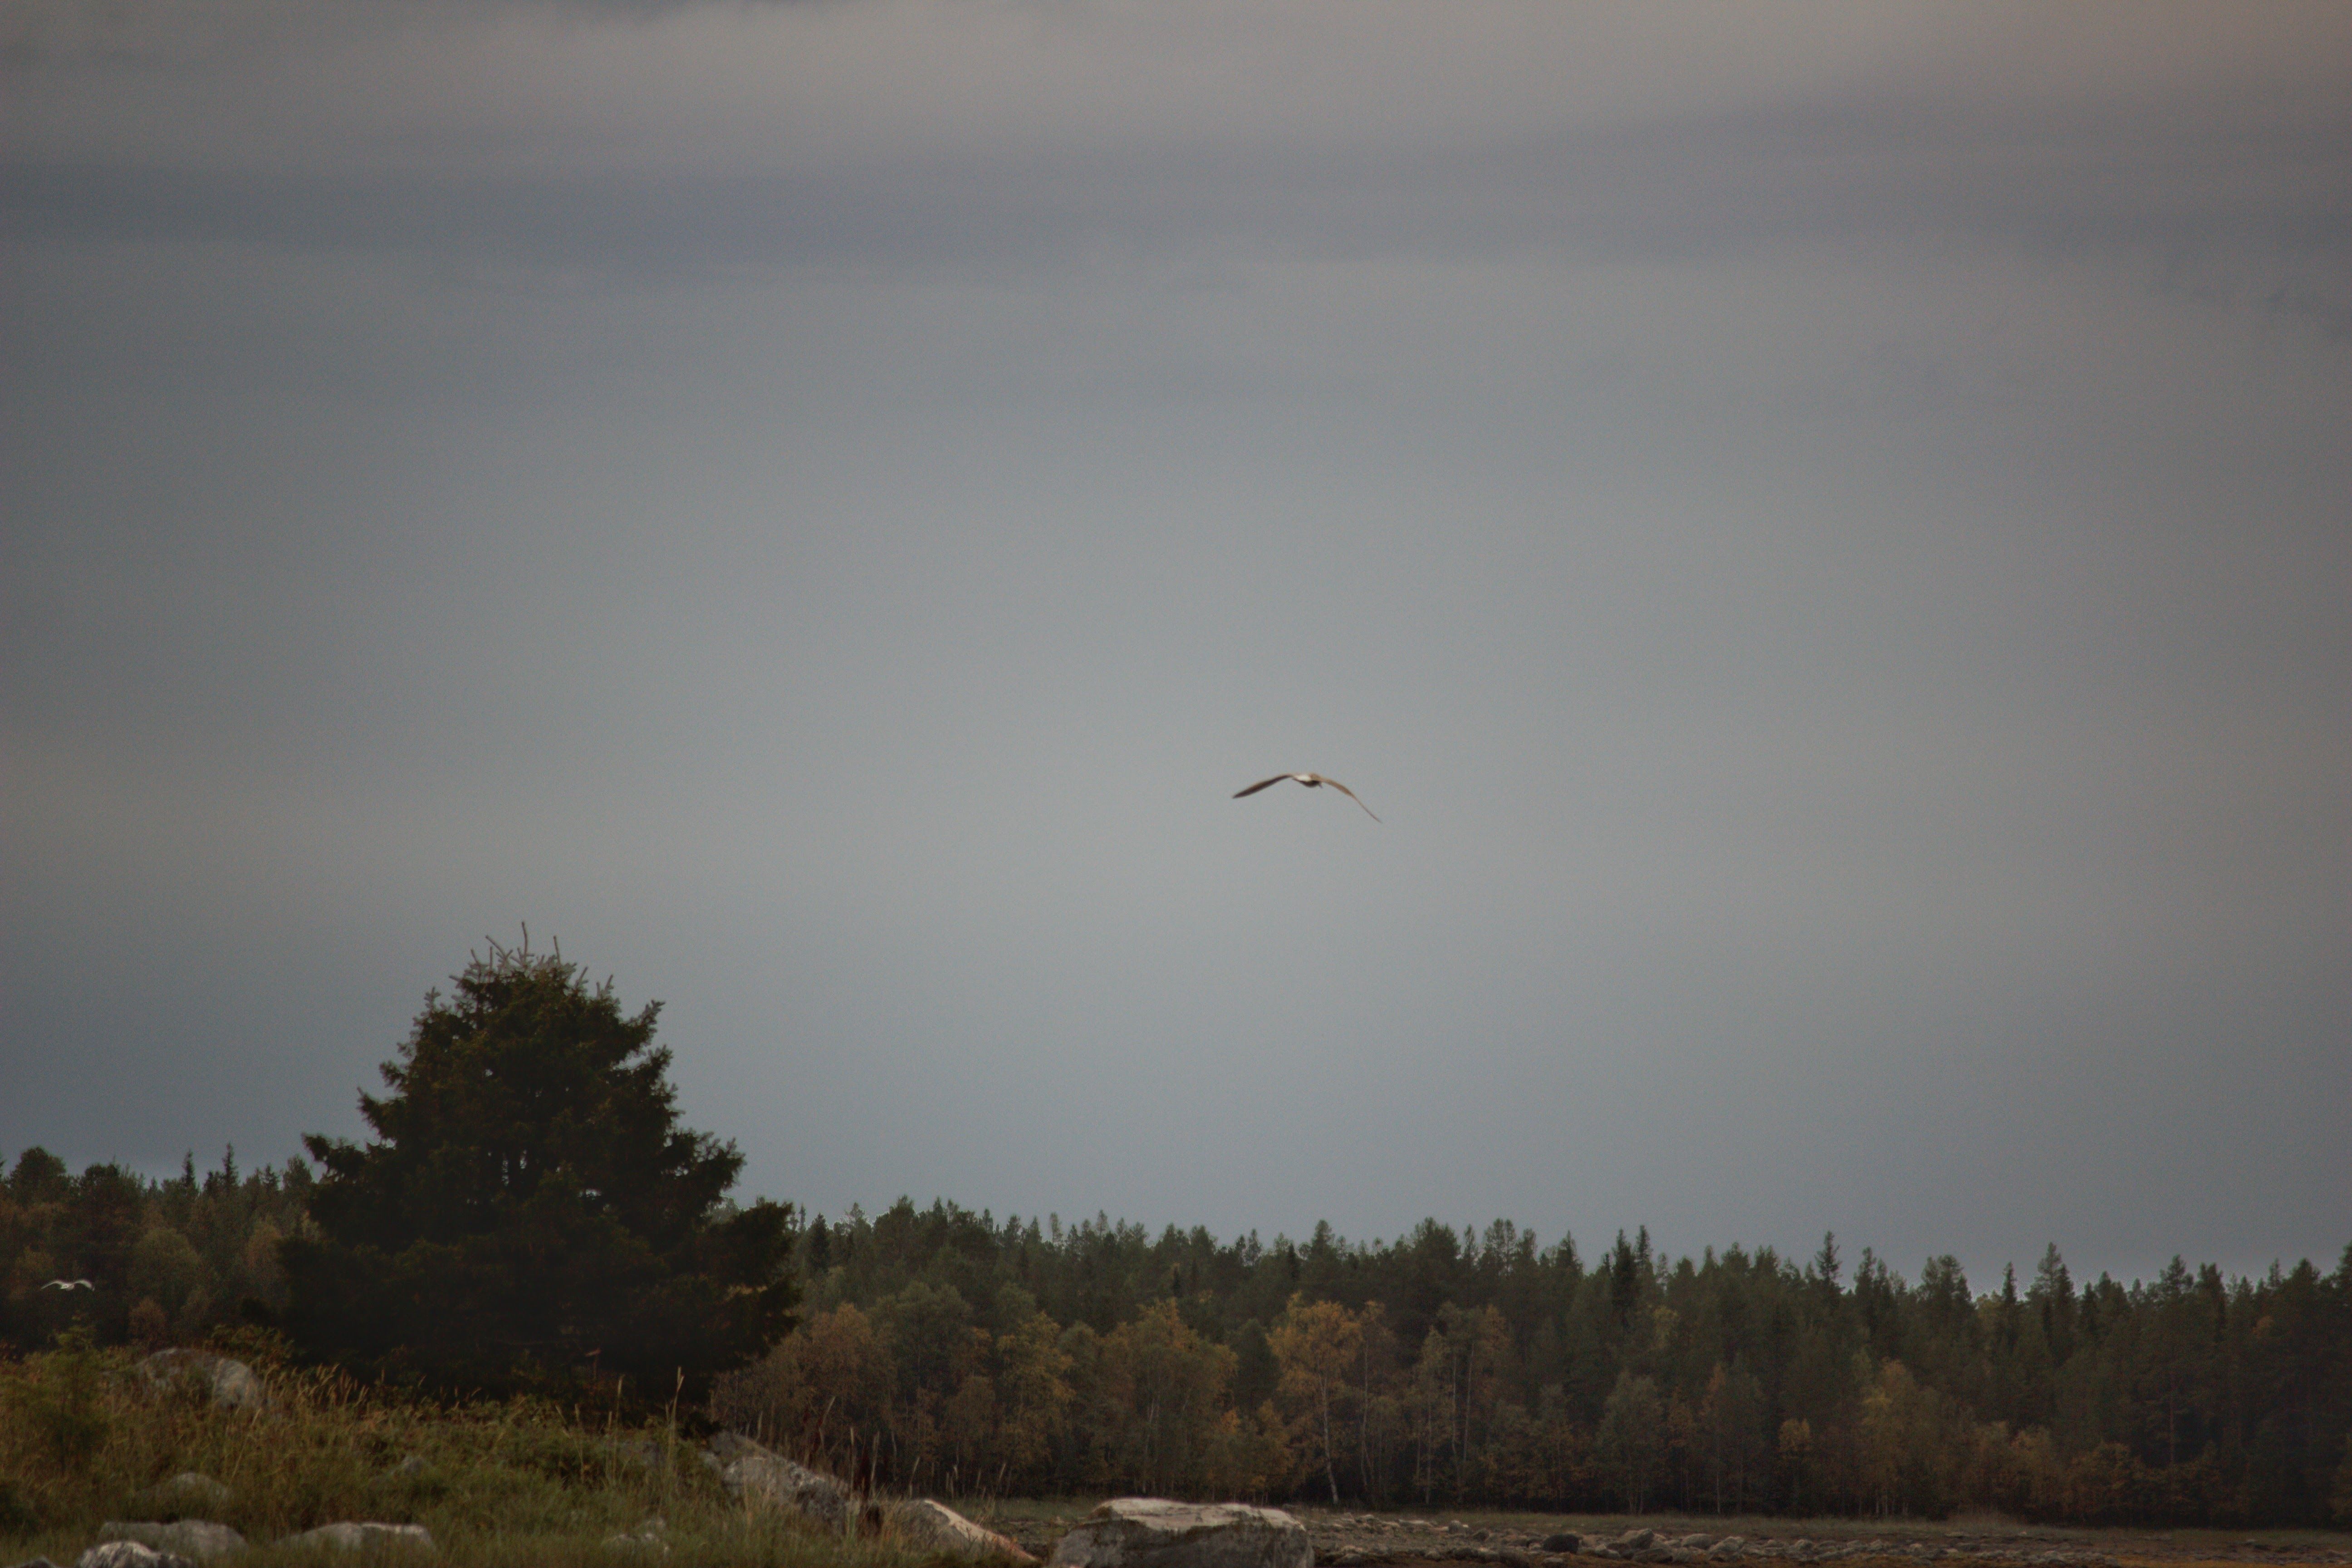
point(187, 1495)
point(226, 1382)
point(753, 1475)
point(129, 1554)
point(1153, 1533)
point(200, 1539)
point(349, 1535)
point(936, 1530)
point(1561, 1542)
point(644, 1453)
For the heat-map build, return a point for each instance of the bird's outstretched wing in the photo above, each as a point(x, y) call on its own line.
point(1311, 781)
point(1263, 783)
point(1343, 789)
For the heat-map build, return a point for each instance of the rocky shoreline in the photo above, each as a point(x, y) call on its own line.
point(1363, 1541)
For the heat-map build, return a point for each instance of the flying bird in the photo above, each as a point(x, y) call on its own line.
point(68, 1285)
point(1312, 781)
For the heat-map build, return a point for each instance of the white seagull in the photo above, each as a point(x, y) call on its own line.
point(68, 1285)
point(1312, 781)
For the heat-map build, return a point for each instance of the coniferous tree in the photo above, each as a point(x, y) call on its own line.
point(531, 1206)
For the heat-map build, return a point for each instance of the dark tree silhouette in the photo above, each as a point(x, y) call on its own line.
point(531, 1206)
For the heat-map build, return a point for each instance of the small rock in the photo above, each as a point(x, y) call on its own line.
point(645, 1453)
point(348, 1535)
point(411, 1465)
point(1730, 1546)
point(1635, 1541)
point(197, 1538)
point(648, 1538)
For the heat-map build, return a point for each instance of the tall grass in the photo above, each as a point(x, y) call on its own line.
point(83, 1434)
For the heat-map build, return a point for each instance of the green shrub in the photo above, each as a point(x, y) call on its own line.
point(62, 1405)
point(520, 1481)
point(16, 1515)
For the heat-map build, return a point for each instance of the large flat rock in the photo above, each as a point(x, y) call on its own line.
point(934, 1529)
point(1154, 1532)
point(197, 1538)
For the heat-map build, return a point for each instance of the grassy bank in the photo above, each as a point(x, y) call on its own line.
point(83, 1436)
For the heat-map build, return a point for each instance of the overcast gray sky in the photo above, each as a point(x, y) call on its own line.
point(1824, 532)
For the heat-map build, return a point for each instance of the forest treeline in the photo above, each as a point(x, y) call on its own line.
point(941, 1349)
point(168, 1261)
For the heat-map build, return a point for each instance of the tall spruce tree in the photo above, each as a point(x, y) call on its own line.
point(530, 1205)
